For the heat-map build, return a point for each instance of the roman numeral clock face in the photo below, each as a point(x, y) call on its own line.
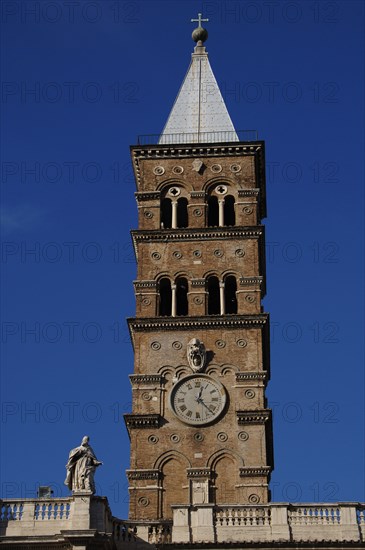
point(198, 399)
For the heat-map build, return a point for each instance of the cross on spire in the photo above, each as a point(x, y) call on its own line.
point(199, 20)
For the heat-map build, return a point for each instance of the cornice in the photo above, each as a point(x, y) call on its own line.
point(138, 285)
point(248, 281)
point(249, 192)
point(146, 379)
point(142, 474)
point(145, 324)
point(251, 375)
point(198, 472)
point(253, 417)
point(141, 421)
point(147, 195)
point(254, 472)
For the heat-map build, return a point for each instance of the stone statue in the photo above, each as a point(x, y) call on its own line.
point(81, 467)
point(196, 355)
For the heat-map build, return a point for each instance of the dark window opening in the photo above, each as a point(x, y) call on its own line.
point(230, 298)
point(181, 296)
point(213, 296)
point(182, 212)
point(213, 212)
point(165, 297)
point(229, 213)
point(166, 213)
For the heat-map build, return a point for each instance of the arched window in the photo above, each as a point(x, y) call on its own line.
point(182, 212)
point(165, 297)
point(213, 296)
point(230, 298)
point(213, 214)
point(166, 213)
point(181, 296)
point(229, 213)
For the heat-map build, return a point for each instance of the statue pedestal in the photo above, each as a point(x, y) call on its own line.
point(81, 509)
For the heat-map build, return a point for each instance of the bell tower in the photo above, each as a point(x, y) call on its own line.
point(200, 430)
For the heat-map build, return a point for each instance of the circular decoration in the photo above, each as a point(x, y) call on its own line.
point(197, 212)
point(220, 344)
point(199, 437)
point(178, 169)
point(249, 298)
point(143, 502)
point(240, 253)
point(198, 300)
point(250, 394)
point(175, 438)
point(235, 168)
point(156, 346)
point(177, 345)
point(177, 254)
point(197, 254)
point(218, 253)
point(159, 170)
point(148, 214)
point(156, 256)
point(146, 301)
point(247, 210)
point(241, 343)
point(174, 192)
point(146, 396)
point(216, 168)
point(243, 436)
point(222, 436)
point(153, 439)
point(221, 189)
point(254, 499)
point(198, 399)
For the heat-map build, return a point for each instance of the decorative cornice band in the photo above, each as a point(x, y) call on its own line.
point(194, 323)
point(198, 472)
point(147, 196)
point(253, 417)
point(208, 150)
point(247, 281)
point(165, 235)
point(142, 474)
point(198, 194)
point(251, 375)
point(138, 285)
point(146, 379)
point(253, 472)
point(198, 282)
point(141, 421)
point(248, 192)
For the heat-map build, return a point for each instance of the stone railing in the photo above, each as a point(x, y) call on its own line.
point(202, 523)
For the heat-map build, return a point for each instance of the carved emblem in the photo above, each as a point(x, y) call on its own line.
point(197, 165)
point(196, 355)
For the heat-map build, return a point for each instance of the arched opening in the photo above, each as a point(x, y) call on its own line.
point(166, 213)
point(229, 213)
point(213, 212)
point(181, 296)
point(213, 296)
point(165, 297)
point(230, 298)
point(182, 212)
point(225, 491)
point(174, 485)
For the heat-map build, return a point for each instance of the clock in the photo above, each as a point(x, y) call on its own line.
point(198, 399)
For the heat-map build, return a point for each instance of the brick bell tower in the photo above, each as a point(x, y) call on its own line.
point(200, 431)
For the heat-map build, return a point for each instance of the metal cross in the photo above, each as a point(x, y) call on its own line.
point(199, 20)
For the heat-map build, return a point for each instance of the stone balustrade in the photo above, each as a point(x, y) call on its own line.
point(203, 523)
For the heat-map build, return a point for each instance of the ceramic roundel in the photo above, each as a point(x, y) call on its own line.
point(198, 399)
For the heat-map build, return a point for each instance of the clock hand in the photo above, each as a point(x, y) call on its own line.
point(198, 396)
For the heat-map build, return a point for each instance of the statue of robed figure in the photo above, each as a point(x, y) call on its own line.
point(81, 467)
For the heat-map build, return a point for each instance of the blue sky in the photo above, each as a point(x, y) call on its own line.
point(79, 85)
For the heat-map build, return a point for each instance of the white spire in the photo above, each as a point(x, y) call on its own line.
point(199, 114)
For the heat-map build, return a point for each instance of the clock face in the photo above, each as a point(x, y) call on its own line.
point(198, 399)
